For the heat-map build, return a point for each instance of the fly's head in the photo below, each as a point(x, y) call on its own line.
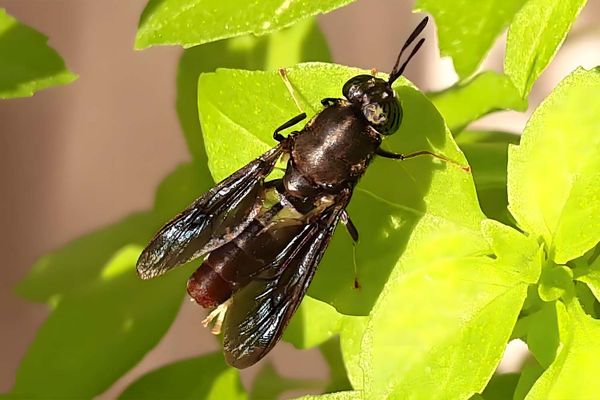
point(375, 96)
point(377, 102)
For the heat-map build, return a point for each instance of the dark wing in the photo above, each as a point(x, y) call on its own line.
point(213, 219)
point(261, 310)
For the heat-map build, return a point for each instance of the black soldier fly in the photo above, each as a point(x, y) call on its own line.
point(265, 238)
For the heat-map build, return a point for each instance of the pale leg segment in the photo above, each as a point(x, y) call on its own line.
point(288, 85)
point(219, 314)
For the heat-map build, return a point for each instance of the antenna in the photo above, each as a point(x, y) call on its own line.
point(397, 72)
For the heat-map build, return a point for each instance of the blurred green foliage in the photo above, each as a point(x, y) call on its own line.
point(27, 64)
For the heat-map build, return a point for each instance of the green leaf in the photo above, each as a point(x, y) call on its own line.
point(444, 311)
point(467, 29)
point(338, 376)
point(80, 262)
point(587, 299)
point(313, 324)
point(27, 64)
point(487, 153)
point(349, 395)
point(556, 282)
point(553, 174)
point(268, 384)
point(206, 377)
point(190, 23)
point(589, 271)
point(529, 374)
point(418, 204)
point(302, 42)
point(542, 335)
point(487, 92)
point(592, 279)
point(353, 329)
point(572, 375)
point(500, 387)
point(518, 253)
point(99, 331)
point(534, 37)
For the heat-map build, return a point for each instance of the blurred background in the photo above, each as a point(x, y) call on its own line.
point(78, 157)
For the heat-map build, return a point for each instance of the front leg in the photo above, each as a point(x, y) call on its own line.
point(387, 154)
point(330, 101)
point(278, 136)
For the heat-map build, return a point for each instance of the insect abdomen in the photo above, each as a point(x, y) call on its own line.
point(236, 263)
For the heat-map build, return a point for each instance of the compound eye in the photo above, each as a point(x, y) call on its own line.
point(393, 113)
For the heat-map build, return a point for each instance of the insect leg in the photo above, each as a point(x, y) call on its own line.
point(278, 136)
point(387, 154)
point(352, 231)
point(345, 218)
point(288, 85)
point(219, 314)
point(329, 101)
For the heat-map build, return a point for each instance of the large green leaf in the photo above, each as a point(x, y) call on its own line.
point(27, 64)
point(190, 23)
point(467, 29)
point(99, 331)
point(394, 201)
point(553, 174)
point(534, 37)
point(573, 374)
point(487, 153)
point(444, 293)
point(302, 42)
point(206, 377)
point(487, 92)
point(444, 310)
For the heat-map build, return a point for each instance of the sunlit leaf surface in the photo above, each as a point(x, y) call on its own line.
point(553, 174)
point(534, 37)
point(468, 29)
point(192, 22)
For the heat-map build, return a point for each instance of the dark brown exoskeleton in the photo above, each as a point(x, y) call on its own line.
point(266, 238)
